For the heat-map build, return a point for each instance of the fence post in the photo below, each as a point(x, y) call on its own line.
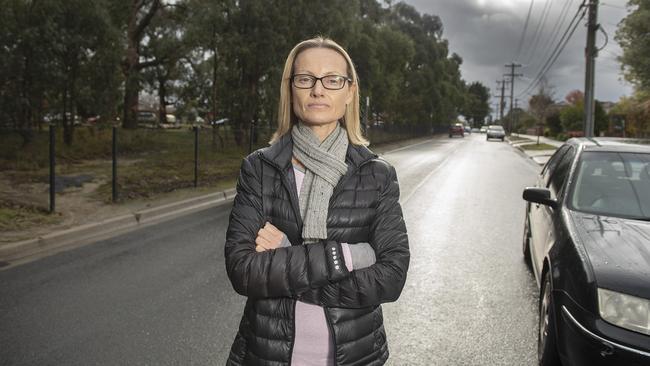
point(114, 153)
point(196, 156)
point(52, 168)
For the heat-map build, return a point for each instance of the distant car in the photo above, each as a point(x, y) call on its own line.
point(456, 129)
point(147, 119)
point(587, 241)
point(495, 132)
point(171, 121)
point(474, 130)
point(92, 120)
point(58, 118)
point(219, 122)
point(467, 129)
point(483, 129)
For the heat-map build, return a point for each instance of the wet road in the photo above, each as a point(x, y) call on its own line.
point(159, 296)
point(469, 298)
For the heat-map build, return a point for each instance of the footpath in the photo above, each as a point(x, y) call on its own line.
point(538, 156)
point(91, 222)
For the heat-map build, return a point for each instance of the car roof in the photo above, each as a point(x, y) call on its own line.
point(611, 144)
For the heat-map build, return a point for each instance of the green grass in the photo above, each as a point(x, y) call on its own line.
point(538, 147)
point(14, 217)
point(518, 139)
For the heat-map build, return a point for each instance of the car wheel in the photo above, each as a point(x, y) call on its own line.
point(449, 135)
point(546, 342)
point(526, 241)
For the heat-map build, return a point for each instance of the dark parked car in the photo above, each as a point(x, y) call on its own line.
point(457, 130)
point(587, 240)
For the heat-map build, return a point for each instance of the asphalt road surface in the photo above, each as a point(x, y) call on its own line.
point(160, 296)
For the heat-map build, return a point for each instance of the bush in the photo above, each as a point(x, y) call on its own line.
point(561, 136)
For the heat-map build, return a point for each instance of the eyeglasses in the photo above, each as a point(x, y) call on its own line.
point(331, 82)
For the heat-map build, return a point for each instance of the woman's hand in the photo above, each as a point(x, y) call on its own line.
point(268, 237)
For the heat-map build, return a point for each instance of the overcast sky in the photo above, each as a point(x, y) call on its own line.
point(486, 34)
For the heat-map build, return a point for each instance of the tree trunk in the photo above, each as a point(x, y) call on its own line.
point(213, 102)
point(67, 124)
point(131, 87)
point(162, 97)
point(131, 64)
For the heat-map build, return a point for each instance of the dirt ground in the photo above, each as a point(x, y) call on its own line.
point(77, 206)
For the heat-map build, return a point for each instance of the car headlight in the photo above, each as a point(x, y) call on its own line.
point(629, 312)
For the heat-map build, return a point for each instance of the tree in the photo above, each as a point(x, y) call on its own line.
point(574, 97)
point(554, 123)
point(478, 103)
point(57, 62)
point(218, 57)
point(165, 45)
point(139, 14)
point(539, 106)
point(572, 117)
point(632, 35)
point(81, 29)
point(635, 114)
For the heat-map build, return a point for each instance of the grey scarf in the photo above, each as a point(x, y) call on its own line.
point(325, 165)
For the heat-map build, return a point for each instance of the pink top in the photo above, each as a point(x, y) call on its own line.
point(313, 345)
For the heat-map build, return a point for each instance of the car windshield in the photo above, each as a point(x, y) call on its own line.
point(496, 128)
point(613, 184)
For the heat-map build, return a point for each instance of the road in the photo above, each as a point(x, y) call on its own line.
point(160, 296)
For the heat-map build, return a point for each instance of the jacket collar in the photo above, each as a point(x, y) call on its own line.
point(281, 151)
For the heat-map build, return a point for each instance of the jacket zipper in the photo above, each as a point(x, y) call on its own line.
point(337, 189)
point(331, 327)
point(293, 339)
point(296, 210)
point(292, 192)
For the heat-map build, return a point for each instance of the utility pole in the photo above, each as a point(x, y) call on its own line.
point(502, 82)
point(516, 113)
point(590, 58)
point(512, 76)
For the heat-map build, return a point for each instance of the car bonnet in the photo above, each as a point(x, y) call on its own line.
point(619, 251)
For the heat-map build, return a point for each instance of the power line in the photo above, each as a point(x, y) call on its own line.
point(540, 29)
point(559, 23)
point(558, 49)
point(523, 34)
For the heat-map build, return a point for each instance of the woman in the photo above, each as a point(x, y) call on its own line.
point(313, 299)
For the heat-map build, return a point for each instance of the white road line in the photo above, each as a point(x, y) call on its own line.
point(407, 146)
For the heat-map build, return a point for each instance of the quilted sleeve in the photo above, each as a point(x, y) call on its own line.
point(383, 281)
point(283, 272)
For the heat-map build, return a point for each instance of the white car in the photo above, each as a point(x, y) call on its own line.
point(495, 132)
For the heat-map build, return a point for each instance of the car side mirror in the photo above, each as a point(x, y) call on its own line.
point(539, 195)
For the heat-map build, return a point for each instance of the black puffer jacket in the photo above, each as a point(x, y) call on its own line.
point(364, 208)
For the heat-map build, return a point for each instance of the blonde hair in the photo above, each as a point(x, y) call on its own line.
point(286, 117)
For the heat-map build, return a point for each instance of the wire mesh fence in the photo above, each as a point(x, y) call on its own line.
point(125, 164)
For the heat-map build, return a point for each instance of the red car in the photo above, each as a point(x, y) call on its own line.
point(457, 129)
